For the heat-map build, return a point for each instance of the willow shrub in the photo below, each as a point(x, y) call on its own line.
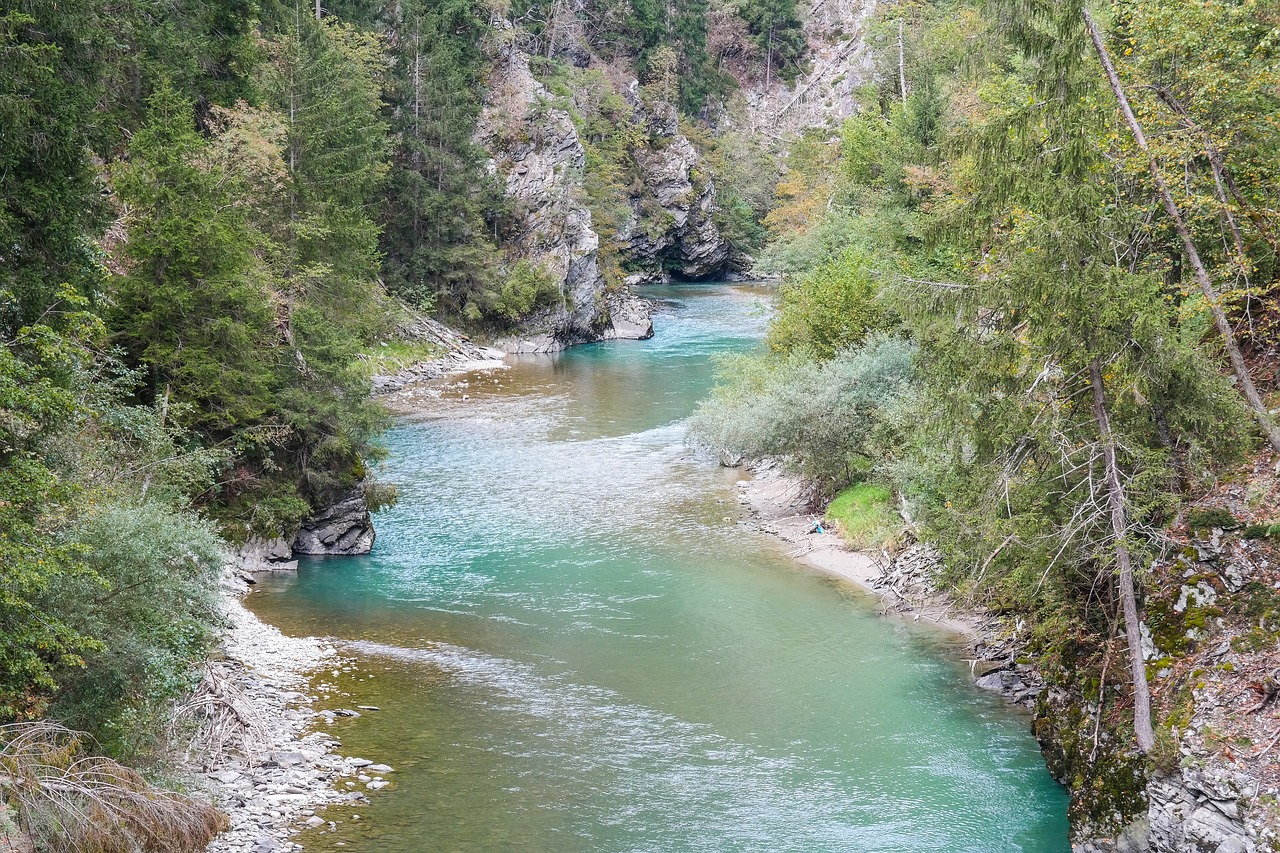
point(825, 420)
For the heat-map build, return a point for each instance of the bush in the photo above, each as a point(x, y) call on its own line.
point(828, 310)
point(527, 287)
point(1203, 519)
point(826, 420)
point(152, 607)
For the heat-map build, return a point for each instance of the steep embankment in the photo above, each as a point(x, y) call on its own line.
point(839, 62)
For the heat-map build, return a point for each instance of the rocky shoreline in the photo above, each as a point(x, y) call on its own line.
point(461, 355)
point(258, 754)
point(1216, 800)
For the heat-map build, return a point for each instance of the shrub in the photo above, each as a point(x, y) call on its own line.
point(825, 419)
point(526, 287)
point(152, 607)
point(828, 310)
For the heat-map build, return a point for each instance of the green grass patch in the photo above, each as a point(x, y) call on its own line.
point(395, 354)
point(864, 516)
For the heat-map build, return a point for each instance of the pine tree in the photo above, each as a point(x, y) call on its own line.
point(437, 246)
point(190, 309)
point(777, 29)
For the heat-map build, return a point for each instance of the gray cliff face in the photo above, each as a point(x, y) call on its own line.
point(684, 240)
point(342, 528)
point(263, 555)
point(1218, 792)
point(1196, 810)
point(539, 158)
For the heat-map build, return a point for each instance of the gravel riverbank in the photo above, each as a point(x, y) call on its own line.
point(263, 754)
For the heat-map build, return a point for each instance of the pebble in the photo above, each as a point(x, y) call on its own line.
point(272, 781)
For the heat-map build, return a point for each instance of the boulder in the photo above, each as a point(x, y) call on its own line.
point(342, 528)
point(258, 554)
point(629, 320)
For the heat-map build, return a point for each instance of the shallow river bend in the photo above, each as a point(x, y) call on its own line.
point(575, 647)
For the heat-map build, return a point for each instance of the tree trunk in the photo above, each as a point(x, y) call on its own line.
point(1220, 174)
point(902, 65)
point(1124, 564)
point(1238, 366)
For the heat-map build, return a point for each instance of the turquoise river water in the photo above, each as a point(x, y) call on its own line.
point(575, 647)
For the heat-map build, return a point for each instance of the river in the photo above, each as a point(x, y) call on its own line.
point(575, 647)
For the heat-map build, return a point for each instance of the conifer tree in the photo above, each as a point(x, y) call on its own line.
point(190, 309)
point(437, 246)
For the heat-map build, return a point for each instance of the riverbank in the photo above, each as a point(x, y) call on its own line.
point(778, 505)
point(1219, 790)
point(459, 355)
point(261, 753)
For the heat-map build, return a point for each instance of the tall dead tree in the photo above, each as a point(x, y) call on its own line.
point(902, 64)
point(1238, 366)
point(1119, 514)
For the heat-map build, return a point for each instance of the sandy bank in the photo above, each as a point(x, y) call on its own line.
point(778, 504)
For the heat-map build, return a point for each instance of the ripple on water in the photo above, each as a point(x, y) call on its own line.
point(609, 665)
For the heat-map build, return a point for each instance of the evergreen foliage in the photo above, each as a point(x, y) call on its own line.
point(776, 27)
point(38, 377)
point(438, 202)
point(190, 308)
point(1068, 393)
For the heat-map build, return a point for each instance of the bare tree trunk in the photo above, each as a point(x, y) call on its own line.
point(1124, 563)
point(1221, 176)
point(1238, 366)
point(164, 416)
point(768, 58)
point(902, 65)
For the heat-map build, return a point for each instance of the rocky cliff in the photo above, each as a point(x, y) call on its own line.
point(825, 94)
point(660, 221)
point(540, 160)
point(686, 242)
point(1211, 629)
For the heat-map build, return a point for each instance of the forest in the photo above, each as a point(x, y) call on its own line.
point(216, 219)
point(1027, 307)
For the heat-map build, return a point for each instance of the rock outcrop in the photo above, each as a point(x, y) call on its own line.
point(263, 555)
point(839, 63)
point(685, 240)
point(539, 158)
point(342, 528)
point(1213, 652)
